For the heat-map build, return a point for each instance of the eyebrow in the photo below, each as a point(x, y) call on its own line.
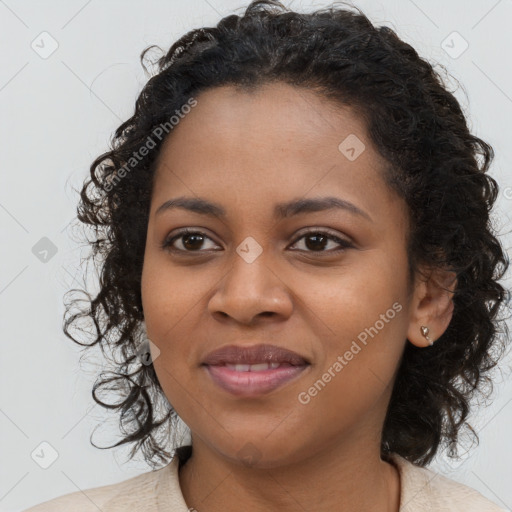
point(281, 210)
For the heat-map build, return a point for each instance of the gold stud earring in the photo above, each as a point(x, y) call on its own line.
point(424, 332)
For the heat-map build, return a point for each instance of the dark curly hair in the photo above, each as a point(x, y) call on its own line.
point(432, 161)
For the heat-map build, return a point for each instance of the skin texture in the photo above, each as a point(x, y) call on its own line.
point(247, 152)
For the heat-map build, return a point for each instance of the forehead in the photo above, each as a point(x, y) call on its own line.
point(272, 117)
point(269, 144)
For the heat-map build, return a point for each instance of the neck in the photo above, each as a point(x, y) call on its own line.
point(346, 478)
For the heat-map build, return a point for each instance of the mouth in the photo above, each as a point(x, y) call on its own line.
point(253, 370)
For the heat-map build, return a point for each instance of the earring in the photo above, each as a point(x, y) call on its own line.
point(424, 332)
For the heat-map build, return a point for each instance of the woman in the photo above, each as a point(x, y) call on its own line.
point(299, 263)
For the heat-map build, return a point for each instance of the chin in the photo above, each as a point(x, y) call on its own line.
point(263, 454)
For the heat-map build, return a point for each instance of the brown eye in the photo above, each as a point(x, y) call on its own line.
point(317, 241)
point(191, 241)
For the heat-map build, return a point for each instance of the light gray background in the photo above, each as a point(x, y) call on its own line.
point(58, 113)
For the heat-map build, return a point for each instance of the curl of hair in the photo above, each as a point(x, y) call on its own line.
point(432, 161)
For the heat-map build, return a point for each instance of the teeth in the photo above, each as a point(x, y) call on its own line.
point(240, 367)
point(252, 367)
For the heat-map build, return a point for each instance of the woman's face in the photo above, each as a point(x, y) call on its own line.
point(259, 277)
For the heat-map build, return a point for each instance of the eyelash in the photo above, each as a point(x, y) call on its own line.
point(167, 243)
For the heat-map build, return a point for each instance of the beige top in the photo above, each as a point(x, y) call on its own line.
point(421, 490)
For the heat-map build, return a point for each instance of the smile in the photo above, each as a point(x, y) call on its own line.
point(253, 370)
point(253, 379)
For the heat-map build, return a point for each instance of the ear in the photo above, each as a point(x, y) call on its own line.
point(432, 305)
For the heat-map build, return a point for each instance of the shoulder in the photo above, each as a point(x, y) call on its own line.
point(134, 493)
point(424, 489)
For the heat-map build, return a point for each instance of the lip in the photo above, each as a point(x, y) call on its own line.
point(263, 353)
point(218, 365)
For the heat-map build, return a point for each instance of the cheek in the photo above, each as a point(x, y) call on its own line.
point(356, 369)
point(167, 302)
point(347, 300)
point(361, 321)
point(174, 310)
point(168, 296)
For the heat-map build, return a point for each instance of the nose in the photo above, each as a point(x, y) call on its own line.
point(251, 292)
